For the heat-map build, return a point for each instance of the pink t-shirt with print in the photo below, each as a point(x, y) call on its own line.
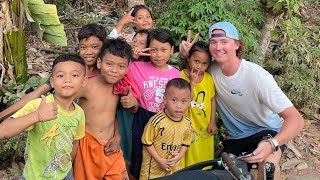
point(151, 83)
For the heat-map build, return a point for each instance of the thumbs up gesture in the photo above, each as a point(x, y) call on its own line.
point(129, 100)
point(47, 111)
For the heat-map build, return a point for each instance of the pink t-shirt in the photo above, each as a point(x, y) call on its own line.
point(151, 83)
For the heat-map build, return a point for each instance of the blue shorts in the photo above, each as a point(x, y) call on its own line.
point(140, 119)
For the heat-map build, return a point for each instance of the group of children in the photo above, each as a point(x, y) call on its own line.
point(157, 118)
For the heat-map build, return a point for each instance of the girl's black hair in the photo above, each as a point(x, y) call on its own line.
point(161, 35)
point(138, 7)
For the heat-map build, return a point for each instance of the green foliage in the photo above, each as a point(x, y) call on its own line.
point(13, 148)
point(290, 6)
point(295, 62)
point(46, 21)
point(198, 15)
point(13, 92)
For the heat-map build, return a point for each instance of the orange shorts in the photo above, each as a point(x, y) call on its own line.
point(92, 163)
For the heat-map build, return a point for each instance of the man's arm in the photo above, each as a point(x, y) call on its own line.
point(43, 89)
point(293, 123)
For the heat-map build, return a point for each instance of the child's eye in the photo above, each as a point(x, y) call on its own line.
point(197, 61)
point(173, 100)
point(122, 66)
point(75, 75)
point(205, 64)
point(94, 46)
point(164, 50)
point(153, 50)
point(109, 64)
point(59, 75)
point(82, 47)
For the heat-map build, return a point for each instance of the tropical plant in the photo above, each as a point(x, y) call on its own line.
point(45, 20)
point(198, 15)
point(295, 62)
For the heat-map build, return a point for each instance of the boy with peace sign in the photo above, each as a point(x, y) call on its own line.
point(54, 123)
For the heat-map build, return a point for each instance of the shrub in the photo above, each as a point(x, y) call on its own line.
point(295, 63)
point(199, 15)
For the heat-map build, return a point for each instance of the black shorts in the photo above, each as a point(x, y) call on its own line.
point(140, 119)
point(238, 146)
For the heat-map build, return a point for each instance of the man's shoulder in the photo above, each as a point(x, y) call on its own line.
point(256, 72)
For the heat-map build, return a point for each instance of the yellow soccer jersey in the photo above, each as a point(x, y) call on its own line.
point(166, 136)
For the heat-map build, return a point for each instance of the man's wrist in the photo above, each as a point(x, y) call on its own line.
point(274, 144)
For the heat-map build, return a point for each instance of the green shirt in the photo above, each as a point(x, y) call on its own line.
point(49, 143)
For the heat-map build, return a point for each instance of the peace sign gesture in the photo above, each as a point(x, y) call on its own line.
point(185, 46)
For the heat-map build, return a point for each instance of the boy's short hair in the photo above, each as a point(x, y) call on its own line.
point(138, 7)
point(69, 57)
point(117, 47)
point(161, 35)
point(142, 31)
point(178, 83)
point(92, 29)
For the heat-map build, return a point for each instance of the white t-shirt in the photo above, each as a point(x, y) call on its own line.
point(115, 34)
point(248, 101)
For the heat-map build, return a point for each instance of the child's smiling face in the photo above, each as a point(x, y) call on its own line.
point(144, 20)
point(90, 49)
point(160, 54)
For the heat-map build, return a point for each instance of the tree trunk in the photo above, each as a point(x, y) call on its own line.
point(264, 41)
point(132, 3)
point(14, 41)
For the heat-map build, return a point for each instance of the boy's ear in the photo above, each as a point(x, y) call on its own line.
point(99, 63)
point(51, 82)
point(164, 99)
point(172, 50)
point(85, 81)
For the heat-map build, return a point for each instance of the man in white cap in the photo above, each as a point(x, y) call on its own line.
point(250, 103)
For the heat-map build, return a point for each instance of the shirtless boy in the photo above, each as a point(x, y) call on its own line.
point(99, 104)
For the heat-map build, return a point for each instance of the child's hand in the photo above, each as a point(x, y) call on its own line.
point(127, 18)
point(185, 46)
point(47, 111)
point(175, 159)
point(129, 100)
point(212, 128)
point(193, 76)
point(140, 52)
point(112, 146)
point(164, 165)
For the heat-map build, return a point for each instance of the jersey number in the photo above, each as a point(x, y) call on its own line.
point(161, 131)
